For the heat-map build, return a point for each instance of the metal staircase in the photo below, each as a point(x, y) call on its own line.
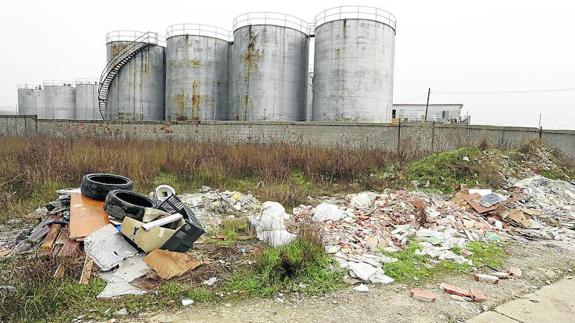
point(115, 65)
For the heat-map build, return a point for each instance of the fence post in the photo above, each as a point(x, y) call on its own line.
point(433, 136)
point(399, 140)
point(540, 133)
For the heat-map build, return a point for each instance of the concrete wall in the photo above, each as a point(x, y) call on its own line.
point(407, 139)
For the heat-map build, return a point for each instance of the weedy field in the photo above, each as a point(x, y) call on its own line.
point(31, 169)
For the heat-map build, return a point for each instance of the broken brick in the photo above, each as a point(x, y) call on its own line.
point(478, 295)
point(422, 295)
point(515, 271)
point(450, 289)
point(486, 278)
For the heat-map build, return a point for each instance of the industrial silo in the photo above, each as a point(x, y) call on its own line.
point(30, 99)
point(87, 100)
point(353, 64)
point(60, 100)
point(137, 92)
point(197, 72)
point(268, 68)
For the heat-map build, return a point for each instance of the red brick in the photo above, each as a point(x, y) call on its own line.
point(478, 295)
point(455, 290)
point(486, 278)
point(422, 295)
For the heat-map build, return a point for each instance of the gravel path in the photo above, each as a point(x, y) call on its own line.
point(542, 263)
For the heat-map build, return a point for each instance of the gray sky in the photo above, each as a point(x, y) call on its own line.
point(448, 45)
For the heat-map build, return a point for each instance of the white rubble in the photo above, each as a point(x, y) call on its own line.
point(328, 212)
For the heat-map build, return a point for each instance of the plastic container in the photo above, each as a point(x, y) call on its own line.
point(186, 235)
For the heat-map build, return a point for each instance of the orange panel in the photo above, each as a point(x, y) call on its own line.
point(86, 216)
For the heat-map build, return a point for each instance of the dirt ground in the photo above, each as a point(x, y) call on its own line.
point(542, 263)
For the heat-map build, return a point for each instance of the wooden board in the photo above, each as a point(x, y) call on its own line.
point(51, 237)
point(86, 216)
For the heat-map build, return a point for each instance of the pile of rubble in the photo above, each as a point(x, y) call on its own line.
point(360, 230)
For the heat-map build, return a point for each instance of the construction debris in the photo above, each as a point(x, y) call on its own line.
point(108, 248)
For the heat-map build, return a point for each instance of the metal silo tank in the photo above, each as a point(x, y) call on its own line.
point(269, 66)
point(30, 99)
point(60, 100)
point(197, 72)
point(354, 59)
point(87, 100)
point(137, 92)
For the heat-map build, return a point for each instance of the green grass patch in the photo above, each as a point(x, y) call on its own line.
point(444, 171)
point(298, 266)
point(415, 269)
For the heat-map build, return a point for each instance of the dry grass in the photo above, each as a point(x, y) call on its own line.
point(286, 173)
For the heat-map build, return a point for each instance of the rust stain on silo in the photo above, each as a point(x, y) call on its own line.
point(196, 100)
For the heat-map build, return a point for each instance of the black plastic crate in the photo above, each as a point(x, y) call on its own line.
point(184, 238)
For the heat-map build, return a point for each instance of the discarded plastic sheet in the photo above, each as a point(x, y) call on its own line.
point(162, 221)
point(270, 226)
point(328, 212)
point(362, 200)
point(119, 281)
point(168, 264)
point(86, 216)
point(146, 240)
point(107, 247)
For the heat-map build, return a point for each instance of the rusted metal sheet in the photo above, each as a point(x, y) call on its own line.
point(86, 216)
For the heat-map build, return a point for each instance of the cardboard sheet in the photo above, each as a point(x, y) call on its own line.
point(86, 216)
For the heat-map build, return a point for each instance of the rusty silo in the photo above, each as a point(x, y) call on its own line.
point(30, 99)
point(268, 68)
point(354, 59)
point(197, 73)
point(87, 100)
point(60, 100)
point(136, 92)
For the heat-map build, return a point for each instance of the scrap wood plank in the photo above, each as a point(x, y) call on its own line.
point(59, 273)
point(51, 237)
point(473, 200)
point(86, 216)
point(87, 271)
point(41, 230)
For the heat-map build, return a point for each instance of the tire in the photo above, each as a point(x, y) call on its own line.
point(97, 186)
point(121, 203)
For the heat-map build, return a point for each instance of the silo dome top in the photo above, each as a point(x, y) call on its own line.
point(272, 18)
point(149, 37)
point(198, 30)
point(356, 12)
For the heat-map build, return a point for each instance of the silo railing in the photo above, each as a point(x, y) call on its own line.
point(356, 12)
point(149, 37)
point(198, 30)
point(86, 81)
point(272, 18)
point(56, 83)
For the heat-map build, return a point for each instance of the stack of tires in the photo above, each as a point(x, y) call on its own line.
point(116, 191)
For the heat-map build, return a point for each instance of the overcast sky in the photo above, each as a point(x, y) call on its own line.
point(448, 45)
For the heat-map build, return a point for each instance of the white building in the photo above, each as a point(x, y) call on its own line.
point(441, 113)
